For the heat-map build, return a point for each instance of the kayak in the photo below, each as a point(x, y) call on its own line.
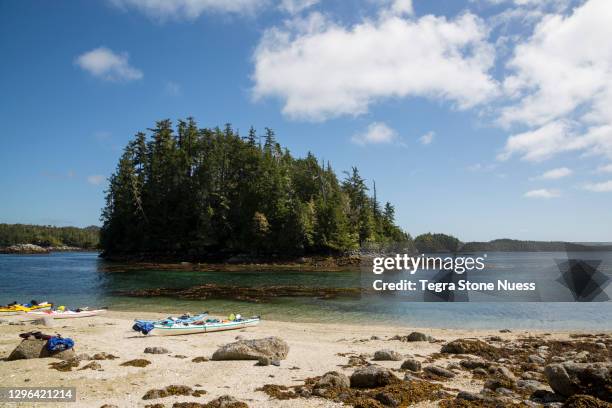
point(171, 320)
point(209, 326)
point(21, 309)
point(67, 314)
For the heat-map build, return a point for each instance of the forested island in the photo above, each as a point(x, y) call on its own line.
point(193, 193)
point(47, 236)
point(186, 193)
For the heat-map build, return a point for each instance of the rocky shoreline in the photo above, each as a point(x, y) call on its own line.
point(280, 364)
point(31, 249)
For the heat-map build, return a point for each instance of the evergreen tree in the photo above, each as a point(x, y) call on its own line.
point(204, 192)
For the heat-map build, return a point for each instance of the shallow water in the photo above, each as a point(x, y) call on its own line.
point(77, 279)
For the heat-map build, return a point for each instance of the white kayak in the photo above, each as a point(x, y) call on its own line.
point(205, 327)
point(67, 314)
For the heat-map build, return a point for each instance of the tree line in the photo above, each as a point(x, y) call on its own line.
point(46, 235)
point(209, 192)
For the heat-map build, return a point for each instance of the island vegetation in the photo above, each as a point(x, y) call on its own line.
point(49, 236)
point(210, 194)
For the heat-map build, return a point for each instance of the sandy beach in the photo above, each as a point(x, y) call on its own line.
point(314, 350)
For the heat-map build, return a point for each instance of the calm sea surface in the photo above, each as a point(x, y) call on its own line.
point(78, 279)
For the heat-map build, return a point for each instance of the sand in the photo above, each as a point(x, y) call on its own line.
point(314, 350)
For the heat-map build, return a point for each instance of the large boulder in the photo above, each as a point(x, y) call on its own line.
point(372, 377)
point(570, 378)
point(34, 348)
point(273, 348)
point(387, 355)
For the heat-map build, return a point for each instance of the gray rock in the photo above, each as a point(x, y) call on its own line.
point(529, 375)
point(438, 371)
point(468, 396)
point(570, 378)
point(503, 373)
point(418, 336)
point(333, 379)
point(372, 376)
point(474, 363)
point(375, 338)
point(274, 348)
point(387, 399)
point(529, 385)
point(156, 350)
point(275, 363)
point(480, 371)
point(546, 397)
point(411, 364)
point(33, 348)
point(601, 345)
point(534, 358)
point(387, 355)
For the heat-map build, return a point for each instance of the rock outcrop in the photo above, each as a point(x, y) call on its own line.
point(273, 348)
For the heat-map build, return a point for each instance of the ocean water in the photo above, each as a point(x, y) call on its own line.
point(80, 279)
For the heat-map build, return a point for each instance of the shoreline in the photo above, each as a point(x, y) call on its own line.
point(314, 349)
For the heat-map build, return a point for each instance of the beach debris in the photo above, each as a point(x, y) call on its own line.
point(570, 378)
point(411, 364)
point(273, 348)
point(471, 346)
point(65, 365)
point(94, 365)
point(387, 355)
point(139, 362)
point(396, 393)
point(226, 401)
point(155, 350)
point(585, 401)
point(37, 348)
point(155, 406)
point(200, 359)
point(372, 376)
point(172, 390)
point(103, 356)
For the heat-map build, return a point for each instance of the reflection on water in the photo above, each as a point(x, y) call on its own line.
point(75, 279)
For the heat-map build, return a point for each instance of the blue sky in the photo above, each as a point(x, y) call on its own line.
point(484, 118)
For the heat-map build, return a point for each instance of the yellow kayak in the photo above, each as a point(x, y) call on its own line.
point(20, 309)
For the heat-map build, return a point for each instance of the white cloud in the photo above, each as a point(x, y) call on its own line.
point(560, 85)
point(189, 9)
point(427, 138)
point(321, 69)
point(296, 6)
point(108, 65)
point(376, 133)
point(542, 193)
point(555, 174)
point(607, 168)
point(96, 179)
point(603, 187)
